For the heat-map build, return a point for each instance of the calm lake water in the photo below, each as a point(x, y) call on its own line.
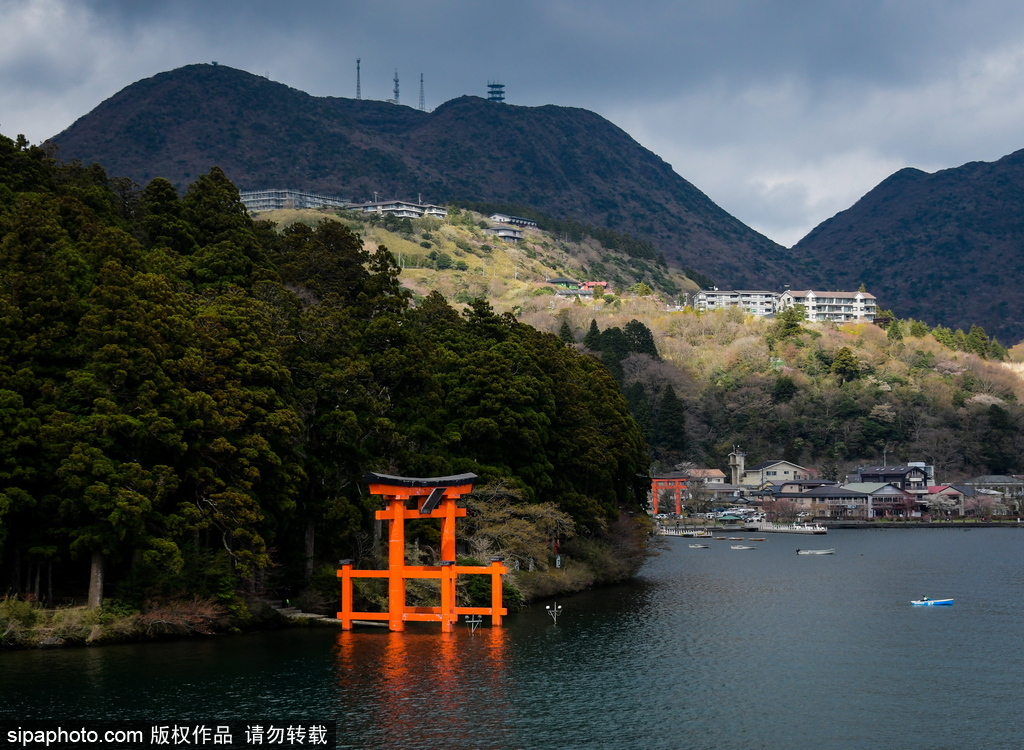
point(709, 649)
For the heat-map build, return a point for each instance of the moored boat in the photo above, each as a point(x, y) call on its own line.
point(700, 546)
point(816, 551)
point(926, 602)
point(742, 546)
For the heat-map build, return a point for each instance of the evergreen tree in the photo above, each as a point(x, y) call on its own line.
point(845, 365)
point(640, 408)
point(639, 339)
point(614, 348)
point(944, 336)
point(592, 340)
point(960, 342)
point(977, 341)
point(918, 329)
point(670, 424)
point(565, 333)
point(788, 322)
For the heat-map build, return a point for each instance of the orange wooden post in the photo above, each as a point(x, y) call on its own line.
point(496, 598)
point(448, 616)
point(396, 565)
point(345, 574)
point(680, 489)
point(448, 529)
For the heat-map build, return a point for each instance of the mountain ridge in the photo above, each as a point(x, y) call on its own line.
point(566, 162)
point(945, 247)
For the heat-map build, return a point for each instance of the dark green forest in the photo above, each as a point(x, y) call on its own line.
point(188, 398)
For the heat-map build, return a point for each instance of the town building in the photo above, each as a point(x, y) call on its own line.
point(708, 476)
point(948, 498)
point(516, 220)
point(914, 477)
point(563, 283)
point(403, 209)
point(767, 471)
point(828, 501)
point(886, 500)
point(273, 199)
point(754, 302)
point(1010, 488)
point(835, 306)
point(507, 233)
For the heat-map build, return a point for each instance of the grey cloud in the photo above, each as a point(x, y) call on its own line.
point(780, 92)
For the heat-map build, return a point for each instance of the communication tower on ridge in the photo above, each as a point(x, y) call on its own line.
point(423, 106)
point(395, 100)
point(495, 92)
point(359, 92)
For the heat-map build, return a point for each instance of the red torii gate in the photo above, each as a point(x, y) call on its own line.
point(432, 497)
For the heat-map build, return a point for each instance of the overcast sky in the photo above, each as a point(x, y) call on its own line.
point(783, 111)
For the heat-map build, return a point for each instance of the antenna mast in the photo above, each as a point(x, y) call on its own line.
point(359, 93)
point(396, 85)
point(423, 106)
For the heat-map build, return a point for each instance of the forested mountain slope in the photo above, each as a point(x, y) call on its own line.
point(946, 247)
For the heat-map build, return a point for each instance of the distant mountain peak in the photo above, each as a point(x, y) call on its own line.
point(942, 247)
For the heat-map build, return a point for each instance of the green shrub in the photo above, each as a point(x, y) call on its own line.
point(72, 625)
point(16, 620)
point(14, 609)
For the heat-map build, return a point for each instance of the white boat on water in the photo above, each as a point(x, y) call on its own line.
point(816, 551)
point(699, 546)
point(926, 602)
point(742, 546)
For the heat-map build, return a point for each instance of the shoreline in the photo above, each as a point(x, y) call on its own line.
point(921, 524)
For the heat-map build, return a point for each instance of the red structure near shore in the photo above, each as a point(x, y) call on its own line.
point(418, 498)
point(673, 486)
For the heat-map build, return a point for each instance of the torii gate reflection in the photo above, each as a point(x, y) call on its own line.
point(459, 679)
point(433, 497)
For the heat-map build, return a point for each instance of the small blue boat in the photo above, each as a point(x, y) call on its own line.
point(926, 602)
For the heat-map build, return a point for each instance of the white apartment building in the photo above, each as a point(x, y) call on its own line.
point(837, 306)
point(517, 220)
point(403, 209)
point(507, 233)
point(755, 302)
point(274, 198)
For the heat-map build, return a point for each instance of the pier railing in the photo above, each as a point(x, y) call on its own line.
point(800, 527)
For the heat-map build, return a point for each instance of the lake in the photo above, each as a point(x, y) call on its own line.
point(714, 648)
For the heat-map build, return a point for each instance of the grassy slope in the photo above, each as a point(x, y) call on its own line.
point(510, 276)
